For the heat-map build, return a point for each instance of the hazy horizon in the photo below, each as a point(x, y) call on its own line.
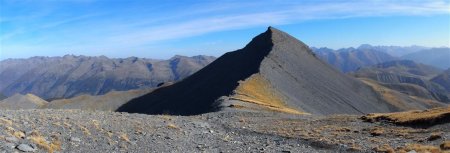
point(161, 29)
point(72, 54)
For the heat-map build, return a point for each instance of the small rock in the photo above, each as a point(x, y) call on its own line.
point(412, 151)
point(10, 145)
point(12, 139)
point(26, 148)
point(75, 139)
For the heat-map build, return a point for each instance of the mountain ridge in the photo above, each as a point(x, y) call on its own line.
point(69, 76)
point(281, 60)
point(350, 59)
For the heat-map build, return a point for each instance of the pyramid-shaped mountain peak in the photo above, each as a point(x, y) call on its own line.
point(274, 37)
point(277, 35)
point(274, 72)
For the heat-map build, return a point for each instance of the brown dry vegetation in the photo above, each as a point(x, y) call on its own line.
point(124, 137)
point(341, 130)
point(54, 145)
point(172, 126)
point(428, 117)
point(376, 131)
point(5, 121)
point(257, 90)
point(419, 148)
point(445, 145)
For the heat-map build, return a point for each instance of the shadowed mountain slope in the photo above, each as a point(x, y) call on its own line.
point(69, 76)
point(274, 60)
point(19, 101)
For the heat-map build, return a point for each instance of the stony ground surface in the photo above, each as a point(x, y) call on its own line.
point(227, 131)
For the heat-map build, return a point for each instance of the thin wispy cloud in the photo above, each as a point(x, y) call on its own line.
point(92, 25)
point(285, 15)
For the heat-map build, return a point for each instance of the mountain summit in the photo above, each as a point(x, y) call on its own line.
point(275, 71)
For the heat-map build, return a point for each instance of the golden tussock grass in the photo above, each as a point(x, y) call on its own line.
point(124, 137)
point(426, 117)
point(54, 145)
point(376, 131)
point(19, 134)
point(166, 117)
point(419, 148)
point(15, 133)
point(445, 145)
point(257, 90)
point(5, 121)
point(172, 126)
point(85, 130)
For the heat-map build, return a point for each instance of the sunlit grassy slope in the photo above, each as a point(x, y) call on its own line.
point(256, 89)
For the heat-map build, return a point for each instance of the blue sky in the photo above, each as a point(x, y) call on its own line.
point(161, 29)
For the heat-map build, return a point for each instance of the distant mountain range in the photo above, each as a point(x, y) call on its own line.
point(396, 51)
point(407, 77)
point(350, 59)
point(65, 77)
point(69, 76)
point(438, 57)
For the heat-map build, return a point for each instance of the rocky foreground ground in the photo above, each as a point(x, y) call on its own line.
point(226, 131)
